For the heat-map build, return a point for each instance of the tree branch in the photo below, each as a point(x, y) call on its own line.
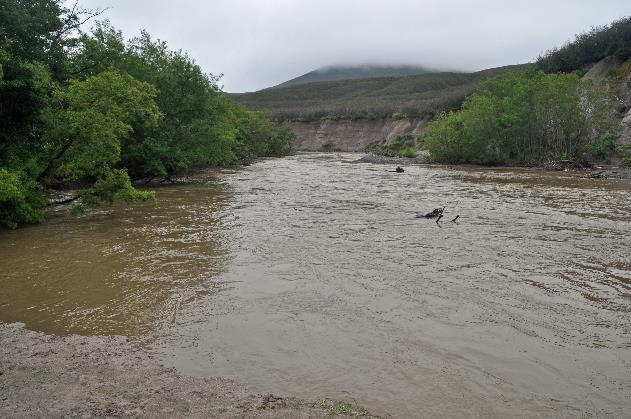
point(76, 14)
point(51, 163)
point(65, 201)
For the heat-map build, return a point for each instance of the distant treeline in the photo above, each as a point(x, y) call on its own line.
point(93, 110)
point(590, 47)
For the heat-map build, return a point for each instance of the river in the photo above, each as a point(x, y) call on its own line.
point(310, 276)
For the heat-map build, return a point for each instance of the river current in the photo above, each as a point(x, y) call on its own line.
point(311, 276)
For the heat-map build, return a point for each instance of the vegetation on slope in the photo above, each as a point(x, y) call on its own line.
point(91, 109)
point(422, 95)
point(524, 118)
point(530, 117)
point(589, 47)
point(356, 72)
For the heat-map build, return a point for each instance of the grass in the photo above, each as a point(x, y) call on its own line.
point(342, 408)
point(370, 98)
point(408, 152)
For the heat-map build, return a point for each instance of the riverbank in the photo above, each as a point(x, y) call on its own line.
point(608, 172)
point(594, 172)
point(78, 376)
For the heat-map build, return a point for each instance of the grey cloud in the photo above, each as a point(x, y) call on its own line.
point(257, 44)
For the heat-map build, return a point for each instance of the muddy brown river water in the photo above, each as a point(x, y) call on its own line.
point(310, 276)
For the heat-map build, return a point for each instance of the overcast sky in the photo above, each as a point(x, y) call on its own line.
point(260, 43)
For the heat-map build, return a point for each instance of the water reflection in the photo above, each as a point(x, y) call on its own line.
point(125, 270)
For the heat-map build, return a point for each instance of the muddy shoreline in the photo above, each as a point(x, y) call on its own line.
point(107, 376)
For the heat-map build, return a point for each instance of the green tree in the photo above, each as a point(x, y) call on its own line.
point(100, 49)
point(195, 130)
point(85, 126)
point(89, 121)
point(589, 47)
point(93, 109)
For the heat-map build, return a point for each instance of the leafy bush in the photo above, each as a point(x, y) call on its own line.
point(281, 143)
point(400, 146)
point(20, 202)
point(604, 147)
point(407, 152)
point(624, 150)
point(520, 118)
point(113, 186)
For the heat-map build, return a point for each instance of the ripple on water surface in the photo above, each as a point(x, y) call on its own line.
point(311, 276)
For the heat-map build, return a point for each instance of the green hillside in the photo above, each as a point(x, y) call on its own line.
point(574, 107)
point(333, 73)
point(419, 95)
point(613, 40)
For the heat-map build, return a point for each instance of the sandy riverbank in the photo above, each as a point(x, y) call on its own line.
point(78, 376)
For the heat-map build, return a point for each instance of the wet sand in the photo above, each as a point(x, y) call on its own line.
point(98, 377)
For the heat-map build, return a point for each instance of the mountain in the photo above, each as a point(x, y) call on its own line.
point(422, 95)
point(334, 73)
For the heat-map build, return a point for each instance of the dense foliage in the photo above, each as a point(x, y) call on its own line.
point(423, 95)
point(590, 47)
point(94, 110)
point(521, 118)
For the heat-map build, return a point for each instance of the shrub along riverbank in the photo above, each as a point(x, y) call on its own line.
point(548, 113)
point(531, 117)
point(94, 109)
point(523, 118)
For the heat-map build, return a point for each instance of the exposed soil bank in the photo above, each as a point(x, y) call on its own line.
point(77, 376)
point(353, 135)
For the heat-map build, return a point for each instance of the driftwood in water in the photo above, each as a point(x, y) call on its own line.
point(455, 219)
point(397, 170)
point(437, 213)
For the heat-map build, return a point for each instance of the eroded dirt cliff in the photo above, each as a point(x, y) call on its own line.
point(354, 135)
